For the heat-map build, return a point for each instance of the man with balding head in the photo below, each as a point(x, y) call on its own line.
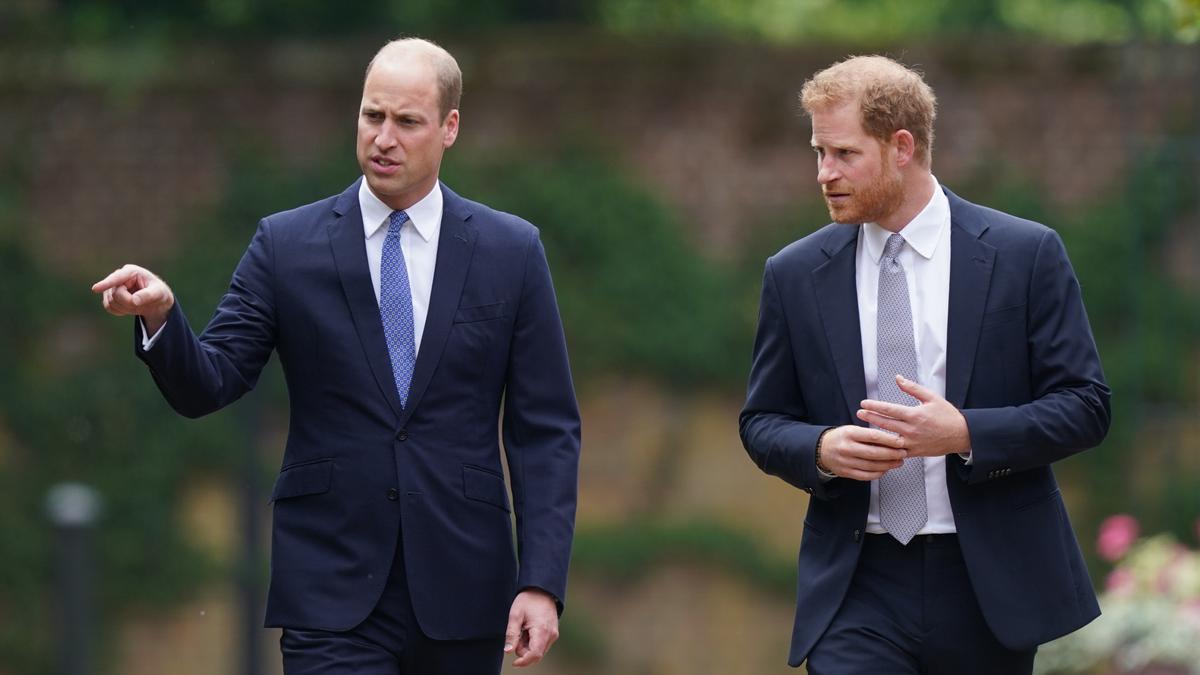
point(403, 315)
point(920, 363)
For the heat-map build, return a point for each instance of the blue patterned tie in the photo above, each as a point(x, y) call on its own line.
point(395, 307)
point(902, 508)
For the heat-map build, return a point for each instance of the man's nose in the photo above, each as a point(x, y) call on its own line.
point(386, 138)
point(826, 172)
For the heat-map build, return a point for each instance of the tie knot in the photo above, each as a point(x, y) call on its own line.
point(396, 220)
point(893, 246)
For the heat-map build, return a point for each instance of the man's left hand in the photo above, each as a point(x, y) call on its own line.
point(532, 626)
point(935, 427)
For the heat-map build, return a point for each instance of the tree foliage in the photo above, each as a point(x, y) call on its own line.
point(847, 21)
point(876, 21)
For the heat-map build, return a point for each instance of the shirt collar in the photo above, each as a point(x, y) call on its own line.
point(922, 233)
point(425, 215)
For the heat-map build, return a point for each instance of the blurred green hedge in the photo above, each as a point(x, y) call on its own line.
point(637, 298)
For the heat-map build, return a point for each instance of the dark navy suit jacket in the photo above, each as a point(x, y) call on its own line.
point(360, 470)
point(1022, 366)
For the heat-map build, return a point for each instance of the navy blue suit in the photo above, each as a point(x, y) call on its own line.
point(1022, 366)
point(360, 471)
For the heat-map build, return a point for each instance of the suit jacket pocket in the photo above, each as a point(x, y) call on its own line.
point(485, 486)
point(1041, 499)
point(1004, 315)
point(809, 528)
point(480, 313)
point(298, 480)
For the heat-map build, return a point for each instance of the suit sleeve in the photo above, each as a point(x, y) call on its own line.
point(1070, 409)
point(774, 424)
point(541, 432)
point(199, 375)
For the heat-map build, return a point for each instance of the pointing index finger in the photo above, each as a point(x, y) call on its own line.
point(117, 278)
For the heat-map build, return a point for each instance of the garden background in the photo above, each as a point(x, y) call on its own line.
point(659, 148)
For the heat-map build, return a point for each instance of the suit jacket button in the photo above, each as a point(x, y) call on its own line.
point(402, 435)
point(857, 535)
point(393, 494)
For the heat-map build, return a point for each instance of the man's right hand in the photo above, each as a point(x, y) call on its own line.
point(861, 453)
point(134, 290)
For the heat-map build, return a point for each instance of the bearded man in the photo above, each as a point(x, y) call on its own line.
point(919, 365)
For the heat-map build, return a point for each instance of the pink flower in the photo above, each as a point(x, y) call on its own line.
point(1120, 583)
point(1117, 534)
point(1189, 612)
point(1169, 572)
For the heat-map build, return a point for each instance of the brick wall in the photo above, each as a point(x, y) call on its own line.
point(118, 148)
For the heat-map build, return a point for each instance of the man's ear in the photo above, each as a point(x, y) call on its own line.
point(905, 146)
point(451, 124)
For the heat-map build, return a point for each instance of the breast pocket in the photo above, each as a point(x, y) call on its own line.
point(495, 310)
point(1004, 315)
point(477, 342)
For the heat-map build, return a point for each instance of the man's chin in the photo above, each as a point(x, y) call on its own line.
point(381, 186)
point(843, 217)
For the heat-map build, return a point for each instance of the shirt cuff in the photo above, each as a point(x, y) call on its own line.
point(148, 341)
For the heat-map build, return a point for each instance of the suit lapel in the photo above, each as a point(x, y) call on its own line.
point(456, 243)
point(350, 256)
point(837, 298)
point(971, 264)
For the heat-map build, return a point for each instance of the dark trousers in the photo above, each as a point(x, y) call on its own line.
point(911, 610)
point(388, 642)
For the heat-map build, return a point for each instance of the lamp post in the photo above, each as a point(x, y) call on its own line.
point(73, 509)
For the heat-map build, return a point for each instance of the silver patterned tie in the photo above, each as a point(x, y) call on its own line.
point(902, 507)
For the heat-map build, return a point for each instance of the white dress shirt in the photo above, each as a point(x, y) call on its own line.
point(418, 239)
point(925, 258)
